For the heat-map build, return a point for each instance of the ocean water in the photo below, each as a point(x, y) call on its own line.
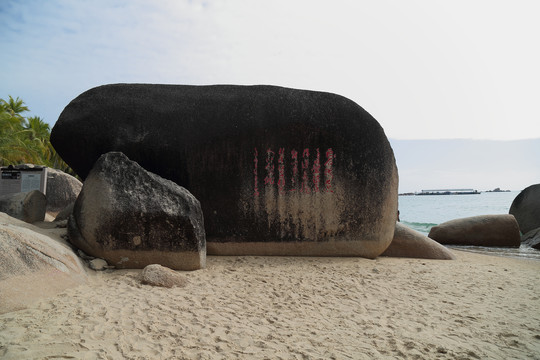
point(421, 213)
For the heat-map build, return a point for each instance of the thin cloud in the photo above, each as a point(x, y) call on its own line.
point(424, 69)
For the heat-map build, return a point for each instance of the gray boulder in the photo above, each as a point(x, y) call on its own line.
point(157, 275)
point(483, 230)
point(410, 243)
point(28, 206)
point(532, 238)
point(62, 190)
point(34, 264)
point(278, 171)
point(526, 208)
point(133, 218)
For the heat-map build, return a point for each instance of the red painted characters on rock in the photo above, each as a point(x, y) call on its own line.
point(281, 171)
point(269, 179)
point(328, 171)
point(256, 182)
point(310, 181)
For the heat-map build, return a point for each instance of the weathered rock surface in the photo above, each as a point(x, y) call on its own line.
point(33, 265)
point(65, 212)
point(483, 230)
point(278, 171)
point(532, 238)
point(526, 208)
point(62, 190)
point(28, 206)
point(410, 243)
point(98, 264)
point(157, 275)
point(133, 218)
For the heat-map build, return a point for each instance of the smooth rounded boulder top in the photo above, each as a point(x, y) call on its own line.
point(481, 230)
point(278, 171)
point(526, 208)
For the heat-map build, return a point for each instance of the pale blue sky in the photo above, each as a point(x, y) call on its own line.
point(425, 69)
point(458, 164)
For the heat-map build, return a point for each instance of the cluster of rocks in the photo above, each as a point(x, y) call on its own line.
point(275, 171)
point(36, 262)
point(520, 227)
point(26, 206)
point(33, 206)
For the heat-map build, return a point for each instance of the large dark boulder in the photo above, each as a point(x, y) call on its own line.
point(409, 243)
point(526, 208)
point(483, 230)
point(278, 171)
point(133, 218)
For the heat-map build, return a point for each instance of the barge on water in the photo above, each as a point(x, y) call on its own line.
point(449, 192)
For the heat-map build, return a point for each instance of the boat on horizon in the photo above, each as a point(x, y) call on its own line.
point(449, 192)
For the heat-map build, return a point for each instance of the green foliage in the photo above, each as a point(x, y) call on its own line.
point(25, 140)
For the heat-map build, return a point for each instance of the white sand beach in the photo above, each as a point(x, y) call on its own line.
point(475, 307)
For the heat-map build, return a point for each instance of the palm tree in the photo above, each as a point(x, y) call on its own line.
point(16, 143)
point(38, 128)
point(26, 140)
point(14, 107)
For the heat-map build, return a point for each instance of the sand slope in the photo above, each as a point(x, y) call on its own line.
point(475, 307)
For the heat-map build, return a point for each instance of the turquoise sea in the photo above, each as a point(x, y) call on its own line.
point(421, 213)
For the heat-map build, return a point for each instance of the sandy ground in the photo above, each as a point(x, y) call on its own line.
point(476, 307)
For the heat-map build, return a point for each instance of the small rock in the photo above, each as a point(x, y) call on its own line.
point(441, 350)
point(65, 212)
point(157, 275)
point(61, 224)
point(98, 264)
point(83, 255)
point(532, 238)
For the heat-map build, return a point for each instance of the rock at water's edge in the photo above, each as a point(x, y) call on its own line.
point(526, 208)
point(532, 238)
point(483, 230)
